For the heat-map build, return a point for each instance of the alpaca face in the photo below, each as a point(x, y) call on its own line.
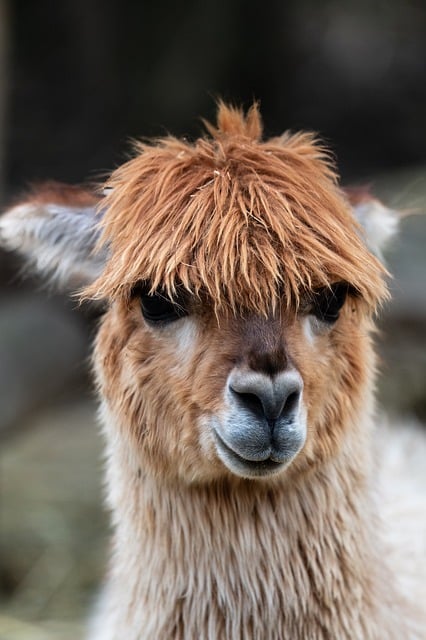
point(239, 288)
point(203, 397)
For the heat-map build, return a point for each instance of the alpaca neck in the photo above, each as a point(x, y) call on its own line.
point(224, 558)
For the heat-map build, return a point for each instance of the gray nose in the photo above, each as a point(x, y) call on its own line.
point(270, 397)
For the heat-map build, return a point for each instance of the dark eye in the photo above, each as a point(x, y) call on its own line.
point(158, 308)
point(328, 301)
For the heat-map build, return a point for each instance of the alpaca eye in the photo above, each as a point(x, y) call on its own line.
point(328, 301)
point(157, 307)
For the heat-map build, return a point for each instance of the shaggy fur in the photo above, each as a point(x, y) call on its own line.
point(247, 230)
point(245, 221)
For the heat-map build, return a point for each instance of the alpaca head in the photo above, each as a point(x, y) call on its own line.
point(239, 289)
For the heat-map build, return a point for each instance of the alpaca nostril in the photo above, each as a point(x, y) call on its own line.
point(291, 403)
point(265, 396)
point(250, 401)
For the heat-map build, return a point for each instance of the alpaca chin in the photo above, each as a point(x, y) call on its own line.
point(251, 449)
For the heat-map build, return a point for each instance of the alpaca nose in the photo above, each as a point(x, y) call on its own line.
point(270, 397)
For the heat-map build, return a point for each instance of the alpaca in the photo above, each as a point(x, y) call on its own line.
point(235, 367)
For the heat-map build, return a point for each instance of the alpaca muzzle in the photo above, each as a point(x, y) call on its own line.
point(264, 425)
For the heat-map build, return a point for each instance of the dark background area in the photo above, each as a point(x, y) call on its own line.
point(85, 75)
point(78, 79)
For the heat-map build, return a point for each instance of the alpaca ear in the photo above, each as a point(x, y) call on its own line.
point(56, 232)
point(380, 224)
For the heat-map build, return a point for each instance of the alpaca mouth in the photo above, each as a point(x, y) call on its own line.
point(242, 466)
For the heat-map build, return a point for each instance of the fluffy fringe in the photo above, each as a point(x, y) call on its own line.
point(244, 223)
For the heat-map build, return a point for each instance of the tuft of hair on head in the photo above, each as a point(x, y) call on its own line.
point(231, 121)
point(245, 223)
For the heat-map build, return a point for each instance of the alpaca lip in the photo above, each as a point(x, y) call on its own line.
point(253, 467)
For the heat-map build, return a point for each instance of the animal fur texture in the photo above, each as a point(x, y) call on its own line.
point(249, 479)
point(213, 223)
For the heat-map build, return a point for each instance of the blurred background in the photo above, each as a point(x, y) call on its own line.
point(78, 78)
